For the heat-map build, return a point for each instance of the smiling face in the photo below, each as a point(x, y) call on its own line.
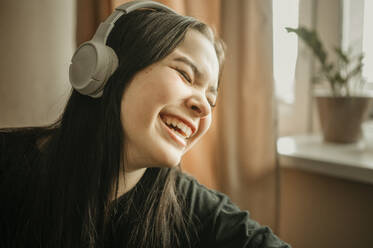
point(167, 106)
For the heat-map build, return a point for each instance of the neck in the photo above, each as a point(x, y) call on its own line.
point(129, 180)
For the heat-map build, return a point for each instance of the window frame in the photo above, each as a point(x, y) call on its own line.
point(301, 116)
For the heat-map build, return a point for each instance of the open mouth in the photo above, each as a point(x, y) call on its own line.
point(178, 130)
point(175, 135)
point(177, 126)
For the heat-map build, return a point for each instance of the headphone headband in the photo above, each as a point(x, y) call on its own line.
point(93, 62)
point(105, 27)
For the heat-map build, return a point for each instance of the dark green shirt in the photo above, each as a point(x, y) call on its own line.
point(223, 223)
point(220, 223)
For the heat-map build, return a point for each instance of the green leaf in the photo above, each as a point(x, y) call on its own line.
point(338, 73)
point(312, 40)
point(342, 55)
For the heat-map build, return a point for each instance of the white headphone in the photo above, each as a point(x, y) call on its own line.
point(93, 62)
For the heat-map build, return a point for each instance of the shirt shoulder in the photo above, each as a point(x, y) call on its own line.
point(200, 199)
point(223, 223)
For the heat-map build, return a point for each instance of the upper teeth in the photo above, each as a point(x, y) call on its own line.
point(176, 123)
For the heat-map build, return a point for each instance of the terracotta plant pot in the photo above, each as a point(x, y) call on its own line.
point(341, 117)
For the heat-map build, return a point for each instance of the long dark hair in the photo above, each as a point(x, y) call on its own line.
point(73, 181)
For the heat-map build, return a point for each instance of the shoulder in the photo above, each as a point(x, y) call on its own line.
point(223, 223)
point(18, 139)
point(199, 197)
point(18, 152)
point(203, 201)
point(15, 146)
point(17, 142)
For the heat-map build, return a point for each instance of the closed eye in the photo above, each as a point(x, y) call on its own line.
point(189, 80)
point(184, 75)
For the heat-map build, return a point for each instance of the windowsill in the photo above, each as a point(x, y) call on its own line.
point(310, 153)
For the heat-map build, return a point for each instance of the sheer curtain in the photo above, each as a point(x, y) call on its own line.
point(238, 155)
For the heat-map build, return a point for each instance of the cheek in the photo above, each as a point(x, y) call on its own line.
point(205, 124)
point(134, 113)
point(203, 128)
point(170, 89)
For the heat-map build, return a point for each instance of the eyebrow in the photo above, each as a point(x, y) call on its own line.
point(197, 72)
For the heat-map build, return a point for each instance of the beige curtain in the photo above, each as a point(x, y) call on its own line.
point(247, 154)
point(237, 155)
point(89, 15)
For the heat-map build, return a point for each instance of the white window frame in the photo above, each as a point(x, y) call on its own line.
point(326, 18)
point(353, 29)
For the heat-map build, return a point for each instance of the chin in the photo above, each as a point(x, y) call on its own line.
point(169, 161)
point(165, 155)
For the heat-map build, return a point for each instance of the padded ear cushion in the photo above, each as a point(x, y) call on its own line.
point(108, 62)
point(91, 66)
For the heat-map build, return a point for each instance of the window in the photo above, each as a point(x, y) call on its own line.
point(368, 40)
point(357, 32)
point(285, 48)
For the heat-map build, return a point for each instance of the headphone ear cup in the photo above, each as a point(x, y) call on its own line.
point(91, 66)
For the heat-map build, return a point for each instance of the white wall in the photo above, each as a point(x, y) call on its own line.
point(36, 44)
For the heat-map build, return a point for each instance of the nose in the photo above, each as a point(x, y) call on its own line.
point(199, 106)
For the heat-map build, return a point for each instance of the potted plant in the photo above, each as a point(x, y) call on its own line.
point(344, 108)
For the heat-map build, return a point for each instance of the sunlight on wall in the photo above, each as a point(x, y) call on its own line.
point(286, 146)
point(285, 48)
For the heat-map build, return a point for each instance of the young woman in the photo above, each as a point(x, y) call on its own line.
point(107, 173)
